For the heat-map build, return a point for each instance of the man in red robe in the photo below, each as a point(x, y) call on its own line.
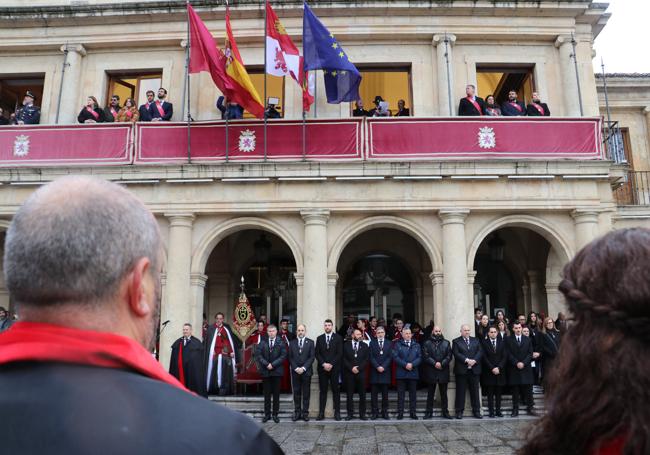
point(220, 358)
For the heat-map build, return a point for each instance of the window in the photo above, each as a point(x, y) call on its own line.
point(133, 85)
point(13, 88)
point(392, 84)
point(274, 88)
point(498, 80)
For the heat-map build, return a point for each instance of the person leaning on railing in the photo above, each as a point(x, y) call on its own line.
point(129, 113)
point(91, 112)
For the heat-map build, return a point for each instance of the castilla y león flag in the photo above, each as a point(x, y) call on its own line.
point(282, 55)
point(226, 68)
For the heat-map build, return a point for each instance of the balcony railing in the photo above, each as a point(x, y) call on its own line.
point(635, 190)
point(356, 139)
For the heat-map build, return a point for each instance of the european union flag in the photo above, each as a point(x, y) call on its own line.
point(322, 51)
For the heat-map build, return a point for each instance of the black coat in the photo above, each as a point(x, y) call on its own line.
point(461, 353)
point(533, 112)
point(549, 346)
point(139, 416)
point(433, 352)
point(276, 356)
point(333, 355)
point(168, 111)
point(299, 359)
point(509, 110)
point(4, 120)
point(85, 115)
point(108, 115)
point(360, 361)
point(519, 353)
point(192, 364)
point(403, 113)
point(492, 360)
point(466, 108)
point(145, 113)
point(378, 359)
point(360, 113)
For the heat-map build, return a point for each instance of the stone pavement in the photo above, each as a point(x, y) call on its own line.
point(468, 436)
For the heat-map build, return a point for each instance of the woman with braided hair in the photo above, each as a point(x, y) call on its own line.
point(599, 396)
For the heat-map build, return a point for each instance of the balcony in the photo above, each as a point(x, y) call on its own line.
point(635, 190)
point(358, 140)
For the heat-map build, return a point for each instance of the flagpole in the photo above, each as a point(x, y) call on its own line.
point(316, 93)
point(304, 135)
point(186, 92)
point(264, 102)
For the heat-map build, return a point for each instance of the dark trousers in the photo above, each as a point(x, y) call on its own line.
point(431, 392)
point(375, 389)
point(355, 383)
point(402, 385)
point(301, 392)
point(464, 382)
point(525, 390)
point(331, 379)
point(494, 394)
point(271, 386)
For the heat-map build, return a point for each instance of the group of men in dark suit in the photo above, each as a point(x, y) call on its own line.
point(156, 110)
point(472, 105)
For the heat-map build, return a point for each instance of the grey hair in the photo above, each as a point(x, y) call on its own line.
point(74, 240)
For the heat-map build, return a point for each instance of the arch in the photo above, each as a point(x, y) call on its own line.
point(535, 224)
point(390, 222)
point(221, 231)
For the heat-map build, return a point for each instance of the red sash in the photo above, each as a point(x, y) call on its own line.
point(492, 111)
point(129, 114)
point(539, 108)
point(95, 114)
point(181, 373)
point(161, 111)
point(516, 106)
point(113, 112)
point(39, 342)
point(476, 105)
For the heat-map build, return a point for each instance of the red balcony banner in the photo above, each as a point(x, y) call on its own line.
point(473, 138)
point(326, 140)
point(66, 145)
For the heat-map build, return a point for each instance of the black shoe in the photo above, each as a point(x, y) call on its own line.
point(349, 417)
point(295, 417)
point(305, 417)
point(498, 414)
point(337, 416)
point(445, 414)
point(276, 419)
point(515, 413)
point(266, 419)
point(531, 412)
point(385, 416)
point(373, 416)
point(459, 415)
point(363, 417)
point(428, 415)
point(400, 416)
point(477, 415)
point(414, 416)
point(491, 415)
point(320, 416)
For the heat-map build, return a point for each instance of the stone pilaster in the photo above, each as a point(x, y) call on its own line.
point(71, 82)
point(444, 44)
point(586, 226)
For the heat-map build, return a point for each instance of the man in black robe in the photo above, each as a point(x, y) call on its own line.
point(186, 363)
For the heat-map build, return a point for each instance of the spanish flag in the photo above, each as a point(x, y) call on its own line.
point(244, 92)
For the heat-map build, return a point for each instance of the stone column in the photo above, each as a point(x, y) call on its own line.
point(535, 291)
point(555, 300)
point(569, 84)
point(178, 305)
point(315, 300)
point(437, 281)
point(332, 279)
point(197, 283)
point(300, 281)
point(71, 82)
point(443, 81)
point(471, 277)
point(457, 305)
point(586, 226)
point(525, 290)
point(646, 112)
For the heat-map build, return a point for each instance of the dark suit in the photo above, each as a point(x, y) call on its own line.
point(145, 113)
point(301, 358)
point(508, 110)
point(520, 380)
point(265, 355)
point(493, 383)
point(532, 111)
point(167, 107)
point(549, 345)
point(467, 377)
point(355, 383)
point(360, 113)
point(379, 382)
point(403, 113)
point(436, 350)
point(29, 115)
point(467, 109)
point(331, 354)
point(404, 354)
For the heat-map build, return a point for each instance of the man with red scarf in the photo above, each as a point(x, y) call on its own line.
point(220, 358)
point(471, 105)
point(161, 110)
point(89, 309)
point(536, 108)
point(186, 362)
point(512, 107)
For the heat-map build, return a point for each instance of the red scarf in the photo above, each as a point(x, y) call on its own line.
point(39, 342)
point(95, 114)
point(181, 372)
point(114, 112)
point(516, 106)
point(539, 108)
point(476, 105)
point(161, 111)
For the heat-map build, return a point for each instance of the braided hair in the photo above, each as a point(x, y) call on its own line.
point(599, 389)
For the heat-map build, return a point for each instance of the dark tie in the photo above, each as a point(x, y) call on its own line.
point(271, 344)
point(356, 347)
point(300, 343)
point(519, 341)
point(467, 341)
point(381, 345)
point(327, 341)
point(408, 344)
point(494, 345)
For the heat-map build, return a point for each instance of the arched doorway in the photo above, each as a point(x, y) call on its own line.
point(267, 265)
point(384, 271)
